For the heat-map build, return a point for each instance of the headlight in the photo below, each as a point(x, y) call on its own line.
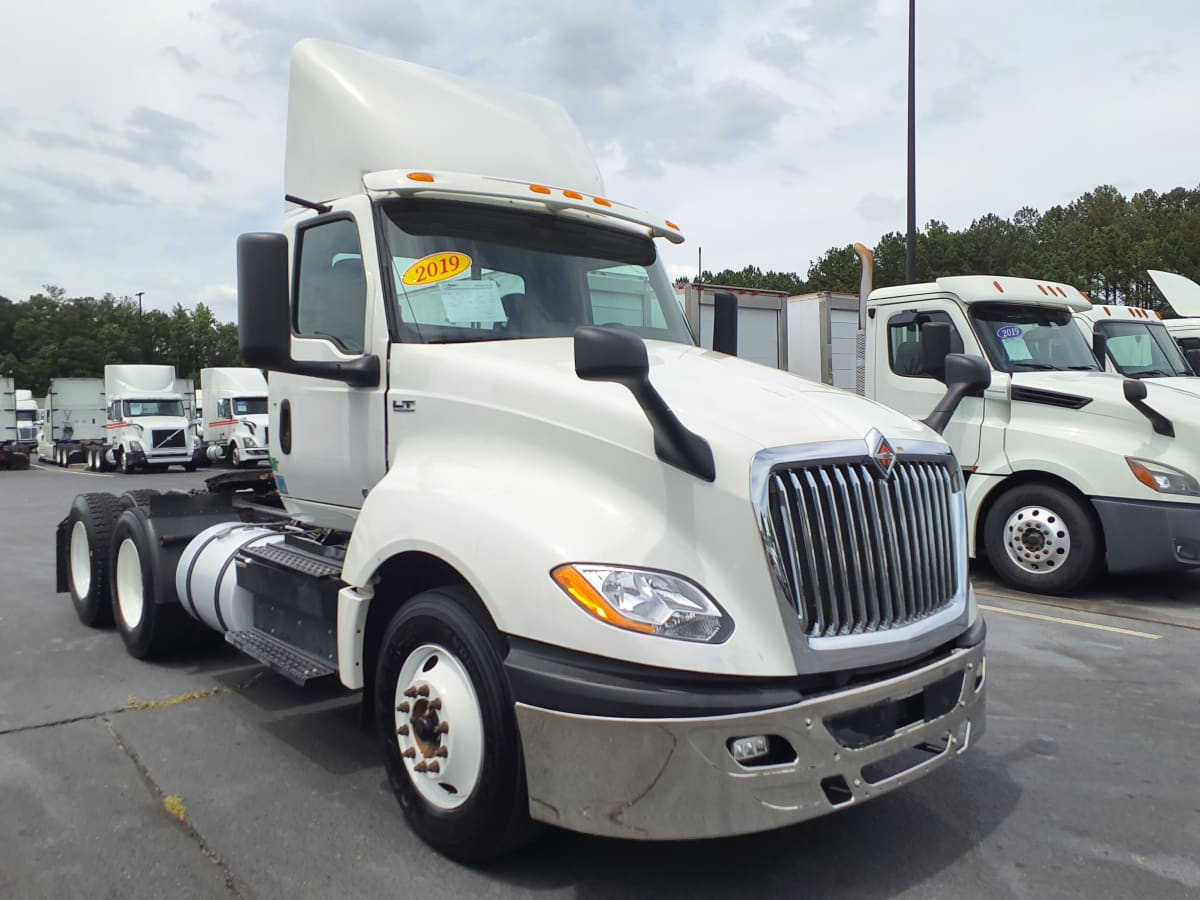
point(135, 445)
point(248, 442)
point(1162, 478)
point(645, 601)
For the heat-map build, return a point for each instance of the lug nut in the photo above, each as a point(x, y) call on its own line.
point(421, 767)
point(442, 728)
point(403, 707)
point(434, 767)
point(409, 753)
point(435, 703)
point(403, 729)
point(442, 752)
point(411, 692)
point(423, 691)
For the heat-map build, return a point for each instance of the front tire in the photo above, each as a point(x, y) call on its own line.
point(1042, 540)
point(148, 628)
point(450, 740)
point(90, 526)
point(126, 465)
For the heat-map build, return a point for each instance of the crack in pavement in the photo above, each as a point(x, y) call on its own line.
point(173, 806)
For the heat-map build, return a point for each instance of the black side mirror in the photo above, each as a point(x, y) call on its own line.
point(264, 312)
point(935, 347)
point(265, 315)
point(611, 354)
point(1135, 394)
point(1100, 349)
point(725, 323)
point(964, 375)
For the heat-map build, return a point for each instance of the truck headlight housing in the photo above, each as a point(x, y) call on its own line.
point(249, 442)
point(1163, 478)
point(136, 446)
point(645, 601)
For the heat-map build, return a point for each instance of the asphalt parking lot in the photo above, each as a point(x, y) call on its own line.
point(209, 777)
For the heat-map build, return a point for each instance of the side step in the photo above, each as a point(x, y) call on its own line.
point(296, 559)
point(283, 659)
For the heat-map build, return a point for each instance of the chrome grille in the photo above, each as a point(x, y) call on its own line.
point(860, 551)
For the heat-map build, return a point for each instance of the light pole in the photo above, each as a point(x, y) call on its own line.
point(911, 265)
point(141, 329)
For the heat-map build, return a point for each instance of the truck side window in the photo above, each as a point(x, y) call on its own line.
point(904, 341)
point(223, 409)
point(331, 292)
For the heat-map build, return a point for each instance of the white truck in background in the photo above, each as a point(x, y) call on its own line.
point(234, 423)
point(1183, 296)
point(589, 576)
point(1135, 342)
point(73, 420)
point(1069, 470)
point(148, 423)
point(14, 448)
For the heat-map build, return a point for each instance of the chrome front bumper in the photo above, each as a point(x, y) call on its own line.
point(675, 778)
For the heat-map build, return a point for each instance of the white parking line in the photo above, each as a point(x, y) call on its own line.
point(1061, 621)
point(61, 470)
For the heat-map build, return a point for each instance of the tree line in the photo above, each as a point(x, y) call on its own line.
point(51, 335)
point(1102, 243)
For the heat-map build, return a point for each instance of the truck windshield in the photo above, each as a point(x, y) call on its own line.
point(1021, 338)
point(26, 415)
point(250, 406)
point(467, 272)
point(1143, 349)
point(131, 409)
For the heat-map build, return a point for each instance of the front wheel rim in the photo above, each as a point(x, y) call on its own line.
point(1037, 540)
point(81, 560)
point(131, 598)
point(439, 726)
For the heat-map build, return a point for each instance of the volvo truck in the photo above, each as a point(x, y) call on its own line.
point(149, 425)
point(234, 426)
point(584, 572)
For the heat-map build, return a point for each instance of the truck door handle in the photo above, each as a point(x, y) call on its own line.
point(285, 426)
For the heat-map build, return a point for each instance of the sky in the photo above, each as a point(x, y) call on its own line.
point(138, 139)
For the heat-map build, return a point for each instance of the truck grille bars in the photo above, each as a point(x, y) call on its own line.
point(859, 550)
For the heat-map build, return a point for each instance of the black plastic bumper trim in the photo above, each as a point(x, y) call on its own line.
point(567, 681)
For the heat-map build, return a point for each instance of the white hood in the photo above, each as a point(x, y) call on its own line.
point(733, 404)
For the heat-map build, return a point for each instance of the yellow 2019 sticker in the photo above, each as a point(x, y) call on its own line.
point(436, 267)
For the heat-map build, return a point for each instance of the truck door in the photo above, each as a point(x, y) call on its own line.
point(327, 437)
point(903, 382)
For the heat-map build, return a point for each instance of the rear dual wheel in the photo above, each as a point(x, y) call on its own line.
point(89, 527)
point(148, 628)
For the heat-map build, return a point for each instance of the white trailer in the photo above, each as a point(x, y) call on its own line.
point(583, 571)
point(14, 452)
point(234, 426)
point(148, 425)
point(73, 420)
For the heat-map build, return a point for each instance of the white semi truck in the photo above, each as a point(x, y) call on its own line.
point(149, 425)
point(1183, 296)
point(14, 429)
point(1134, 342)
point(234, 425)
point(73, 420)
point(584, 573)
point(1068, 470)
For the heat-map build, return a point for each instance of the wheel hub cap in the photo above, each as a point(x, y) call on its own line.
point(439, 726)
point(1037, 540)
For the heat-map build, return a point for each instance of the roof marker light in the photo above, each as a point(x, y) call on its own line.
point(420, 176)
point(600, 201)
point(1107, 311)
point(996, 285)
point(539, 189)
point(672, 225)
point(573, 195)
point(1043, 290)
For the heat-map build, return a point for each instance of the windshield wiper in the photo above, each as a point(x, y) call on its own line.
point(1082, 369)
point(1154, 373)
point(1041, 367)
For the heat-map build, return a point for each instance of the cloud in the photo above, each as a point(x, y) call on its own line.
point(150, 137)
point(81, 188)
point(837, 19)
point(185, 61)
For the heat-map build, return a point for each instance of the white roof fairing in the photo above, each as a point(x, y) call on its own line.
point(352, 112)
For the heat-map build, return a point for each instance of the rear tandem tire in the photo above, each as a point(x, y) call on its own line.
point(486, 813)
point(149, 629)
point(91, 521)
